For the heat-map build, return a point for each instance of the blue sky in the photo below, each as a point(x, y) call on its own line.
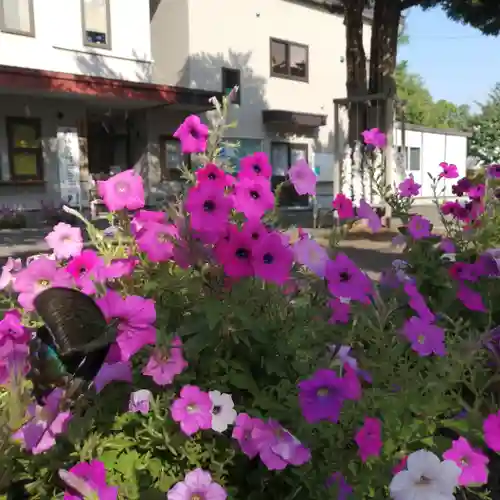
point(456, 61)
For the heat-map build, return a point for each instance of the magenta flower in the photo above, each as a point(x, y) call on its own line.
point(255, 229)
point(39, 433)
point(66, 241)
point(8, 272)
point(477, 192)
point(321, 397)
point(491, 429)
point(118, 371)
point(209, 207)
point(461, 187)
point(277, 447)
point(136, 317)
point(447, 246)
point(344, 490)
point(123, 190)
point(143, 217)
point(346, 280)
point(40, 274)
point(193, 135)
point(303, 178)
point(425, 338)
point(419, 227)
point(193, 410)
point(311, 254)
point(242, 432)
point(213, 174)
point(369, 438)
point(472, 462)
point(374, 137)
point(255, 165)
point(139, 401)
point(417, 302)
point(340, 311)
point(344, 206)
point(14, 350)
point(409, 187)
point(234, 253)
point(157, 241)
point(493, 171)
point(272, 260)
point(450, 171)
point(365, 211)
point(197, 485)
point(471, 299)
point(163, 368)
point(253, 196)
point(87, 269)
point(86, 480)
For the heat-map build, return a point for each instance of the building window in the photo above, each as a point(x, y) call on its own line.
point(283, 156)
point(414, 159)
point(25, 149)
point(16, 16)
point(96, 23)
point(289, 60)
point(172, 159)
point(244, 147)
point(230, 79)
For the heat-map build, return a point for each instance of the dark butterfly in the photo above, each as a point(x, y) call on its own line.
point(70, 348)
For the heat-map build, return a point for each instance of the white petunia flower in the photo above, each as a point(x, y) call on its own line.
point(426, 478)
point(223, 412)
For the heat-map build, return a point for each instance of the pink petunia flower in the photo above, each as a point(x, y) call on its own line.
point(197, 484)
point(255, 229)
point(234, 253)
point(123, 190)
point(88, 480)
point(136, 317)
point(66, 241)
point(163, 368)
point(477, 192)
point(365, 211)
point(409, 187)
point(7, 276)
point(340, 311)
point(425, 338)
point(311, 254)
point(346, 280)
point(344, 206)
point(118, 371)
point(472, 462)
point(419, 227)
point(157, 241)
point(14, 350)
point(143, 217)
point(140, 401)
point(255, 165)
point(450, 171)
point(491, 429)
point(344, 490)
point(493, 171)
point(417, 302)
point(303, 178)
point(471, 299)
point(39, 433)
point(213, 174)
point(40, 274)
point(193, 410)
point(277, 447)
point(193, 135)
point(253, 197)
point(374, 137)
point(272, 260)
point(243, 433)
point(87, 269)
point(369, 438)
point(209, 208)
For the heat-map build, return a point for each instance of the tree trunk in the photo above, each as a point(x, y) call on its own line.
point(384, 45)
point(356, 82)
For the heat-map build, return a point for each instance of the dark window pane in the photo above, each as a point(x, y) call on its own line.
point(230, 79)
point(96, 38)
point(298, 61)
point(25, 165)
point(25, 136)
point(278, 58)
point(173, 160)
point(414, 159)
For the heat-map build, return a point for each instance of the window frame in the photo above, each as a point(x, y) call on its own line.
point(86, 43)
point(31, 12)
point(276, 179)
point(287, 45)
point(224, 71)
point(419, 158)
point(11, 122)
point(165, 170)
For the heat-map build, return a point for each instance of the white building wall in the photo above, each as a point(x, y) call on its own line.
point(58, 42)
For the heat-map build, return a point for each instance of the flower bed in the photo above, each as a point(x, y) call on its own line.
point(241, 362)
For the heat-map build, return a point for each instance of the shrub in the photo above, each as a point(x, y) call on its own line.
point(251, 363)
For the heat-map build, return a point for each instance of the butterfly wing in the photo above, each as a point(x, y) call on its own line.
point(73, 320)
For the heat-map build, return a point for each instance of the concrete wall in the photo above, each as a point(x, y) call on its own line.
point(58, 42)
